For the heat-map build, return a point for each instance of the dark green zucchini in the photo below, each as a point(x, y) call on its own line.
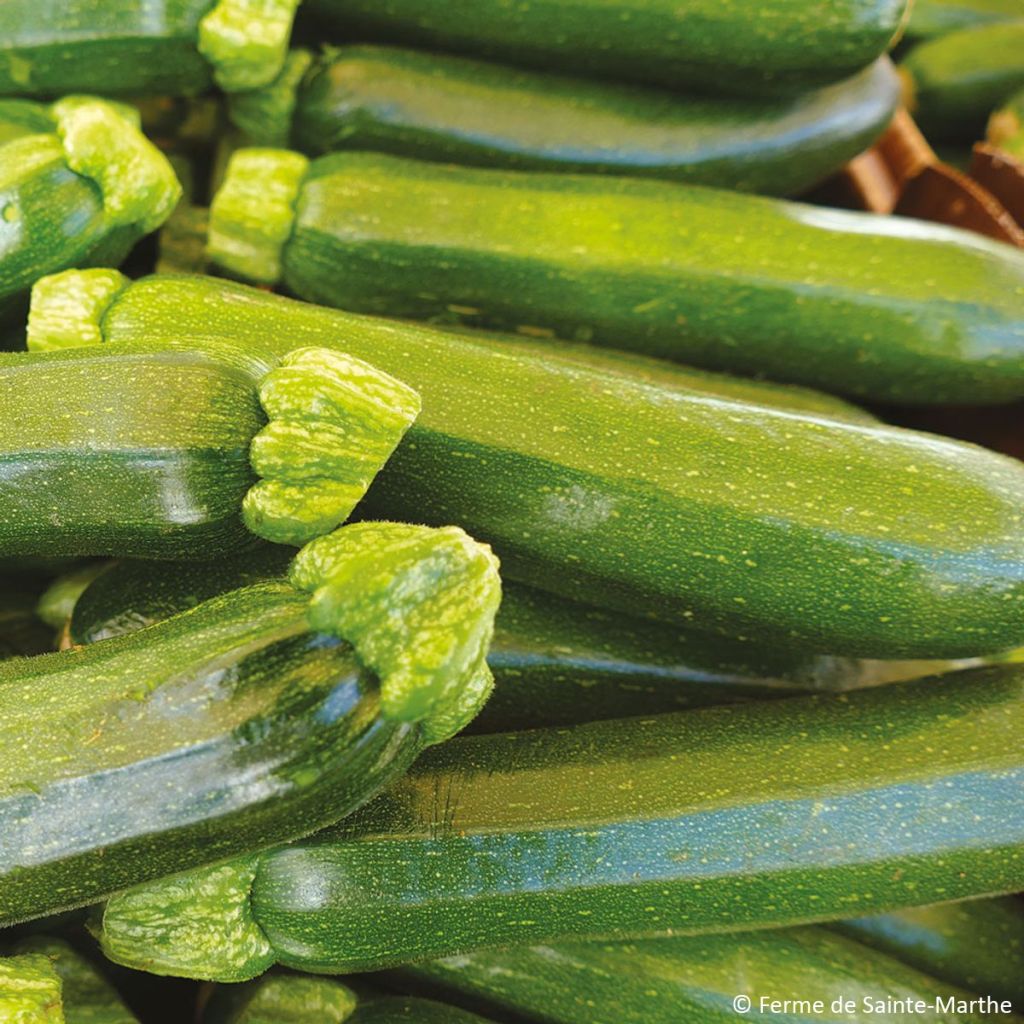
point(78, 192)
point(721, 819)
point(260, 715)
point(696, 979)
point(138, 47)
point(931, 18)
point(976, 944)
point(555, 662)
point(957, 80)
point(173, 453)
point(452, 109)
point(885, 309)
point(680, 502)
point(745, 49)
point(86, 996)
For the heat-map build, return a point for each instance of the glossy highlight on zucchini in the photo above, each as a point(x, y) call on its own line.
point(457, 110)
point(773, 46)
point(581, 492)
point(888, 309)
point(252, 718)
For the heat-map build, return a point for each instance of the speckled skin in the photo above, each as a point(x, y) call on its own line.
point(976, 944)
point(959, 79)
point(732, 46)
point(881, 308)
point(451, 109)
point(691, 979)
point(104, 451)
point(774, 813)
point(50, 47)
point(217, 732)
point(828, 535)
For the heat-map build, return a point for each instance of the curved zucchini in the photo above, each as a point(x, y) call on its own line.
point(453, 109)
point(683, 504)
point(136, 47)
point(776, 46)
point(931, 18)
point(81, 191)
point(241, 722)
point(888, 309)
point(957, 80)
point(693, 979)
point(156, 451)
point(976, 944)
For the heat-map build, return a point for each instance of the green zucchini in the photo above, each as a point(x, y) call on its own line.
point(744, 49)
point(957, 80)
point(87, 997)
point(30, 990)
point(884, 309)
point(78, 192)
point(555, 662)
point(681, 503)
point(241, 722)
point(931, 18)
point(720, 819)
point(282, 999)
point(453, 109)
point(155, 451)
point(976, 944)
point(694, 979)
point(140, 47)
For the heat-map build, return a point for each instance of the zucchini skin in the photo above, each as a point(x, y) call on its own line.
point(97, 456)
point(668, 980)
point(452, 109)
point(779, 46)
point(976, 944)
point(771, 814)
point(224, 729)
point(959, 79)
point(51, 47)
point(578, 505)
point(931, 18)
point(731, 282)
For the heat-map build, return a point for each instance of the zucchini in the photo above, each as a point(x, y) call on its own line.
point(155, 451)
point(81, 191)
point(137, 47)
point(554, 662)
point(87, 997)
point(453, 109)
point(885, 309)
point(257, 716)
point(976, 944)
point(956, 81)
point(30, 990)
point(680, 503)
point(931, 18)
point(744, 49)
point(767, 814)
point(693, 979)
point(282, 999)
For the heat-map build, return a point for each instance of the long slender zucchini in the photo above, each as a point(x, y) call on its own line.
point(453, 109)
point(886, 309)
point(50, 47)
point(743, 49)
point(976, 944)
point(30, 990)
point(767, 814)
point(809, 974)
point(86, 996)
point(931, 18)
point(555, 662)
point(957, 80)
point(257, 716)
point(155, 451)
point(78, 192)
point(675, 502)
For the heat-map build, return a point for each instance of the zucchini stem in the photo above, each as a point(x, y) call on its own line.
point(246, 41)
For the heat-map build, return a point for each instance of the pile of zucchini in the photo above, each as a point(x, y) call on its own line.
point(460, 558)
